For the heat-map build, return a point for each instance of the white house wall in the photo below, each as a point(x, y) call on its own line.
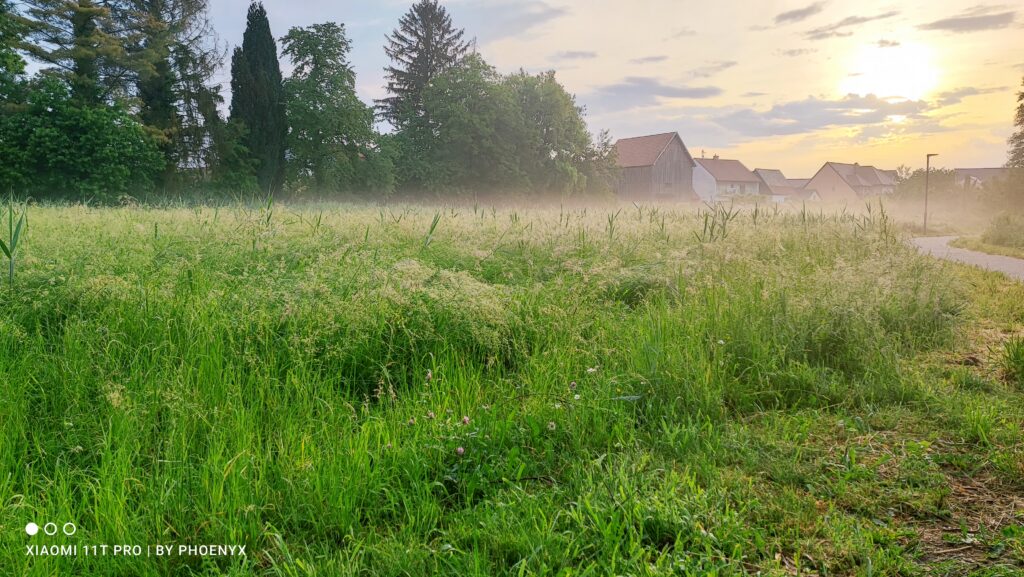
point(704, 184)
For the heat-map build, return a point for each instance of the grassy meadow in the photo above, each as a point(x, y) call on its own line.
point(411, 390)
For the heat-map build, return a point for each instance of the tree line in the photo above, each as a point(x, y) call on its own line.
point(125, 104)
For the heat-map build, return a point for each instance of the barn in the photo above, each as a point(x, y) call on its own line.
point(655, 167)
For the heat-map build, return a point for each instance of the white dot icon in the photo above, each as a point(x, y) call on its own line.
point(31, 529)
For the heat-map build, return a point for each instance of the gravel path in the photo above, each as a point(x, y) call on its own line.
point(938, 246)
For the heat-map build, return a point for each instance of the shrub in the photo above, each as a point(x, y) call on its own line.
point(1005, 230)
point(1013, 360)
point(54, 147)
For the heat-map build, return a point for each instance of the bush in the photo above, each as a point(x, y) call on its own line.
point(1013, 360)
point(55, 148)
point(1005, 230)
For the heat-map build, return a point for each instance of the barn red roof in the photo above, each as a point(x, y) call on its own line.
point(642, 150)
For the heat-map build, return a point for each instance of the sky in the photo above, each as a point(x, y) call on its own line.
point(775, 84)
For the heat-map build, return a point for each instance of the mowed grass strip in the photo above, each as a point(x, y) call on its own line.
point(467, 391)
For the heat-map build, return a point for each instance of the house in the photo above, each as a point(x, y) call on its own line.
point(837, 181)
point(717, 178)
point(655, 167)
point(781, 189)
point(977, 178)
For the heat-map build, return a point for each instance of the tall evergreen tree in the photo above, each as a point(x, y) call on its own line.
point(1016, 156)
point(11, 63)
point(175, 55)
point(424, 45)
point(257, 99)
point(75, 37)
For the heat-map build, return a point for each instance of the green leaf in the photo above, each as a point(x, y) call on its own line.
point(3, 247)
point(17, 233)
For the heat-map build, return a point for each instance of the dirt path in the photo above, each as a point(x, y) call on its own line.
point(938, 246)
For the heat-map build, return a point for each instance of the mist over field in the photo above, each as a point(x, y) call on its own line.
point(511, 288)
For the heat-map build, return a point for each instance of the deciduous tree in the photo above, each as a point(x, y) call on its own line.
point(56, 146)
point(1016, 155)
point(331, 136)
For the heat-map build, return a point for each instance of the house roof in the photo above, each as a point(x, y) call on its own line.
point(858, 176)
point(643, 150)
point(777, 182)
point(771, 177)
point(724, 170)
point(981, 174)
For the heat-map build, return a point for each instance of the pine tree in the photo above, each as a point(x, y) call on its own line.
point(424, 45)
point(75, 38)
point(175, 54)
point(1016, 156)
point(257, 99)
point(11, 63)
point(198, 104)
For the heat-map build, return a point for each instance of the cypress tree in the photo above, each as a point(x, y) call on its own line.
point(424, 45)
point(257, 99)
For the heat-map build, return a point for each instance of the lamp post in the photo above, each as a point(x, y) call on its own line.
point(927, 172)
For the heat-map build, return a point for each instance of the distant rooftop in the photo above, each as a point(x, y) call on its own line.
point(859, 176)
point(724, 170)
point(642, 150)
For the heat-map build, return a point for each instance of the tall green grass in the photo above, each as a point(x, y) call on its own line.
point(9, 248)
point(412, 391)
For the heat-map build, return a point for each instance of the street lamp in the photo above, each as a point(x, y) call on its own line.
point(927, 172)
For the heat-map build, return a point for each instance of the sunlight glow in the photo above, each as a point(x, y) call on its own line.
point(903, 72)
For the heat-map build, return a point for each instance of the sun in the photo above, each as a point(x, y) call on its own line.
point(896, 72)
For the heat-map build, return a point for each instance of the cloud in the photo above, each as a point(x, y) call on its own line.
point(753, 94)
point(692, 123)
point(883, 43)
point(649, 59)
point(870, 115)
point(638, 91)
point(799, 14)
point(797, 52)
point(813, 114)
point(839, 28)
point(974, 20)
point(956, 96)
point(490, 21)
point(683, 32)
point(712, 68)
point(574, 55)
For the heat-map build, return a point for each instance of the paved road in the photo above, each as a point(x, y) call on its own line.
point(938, 246)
